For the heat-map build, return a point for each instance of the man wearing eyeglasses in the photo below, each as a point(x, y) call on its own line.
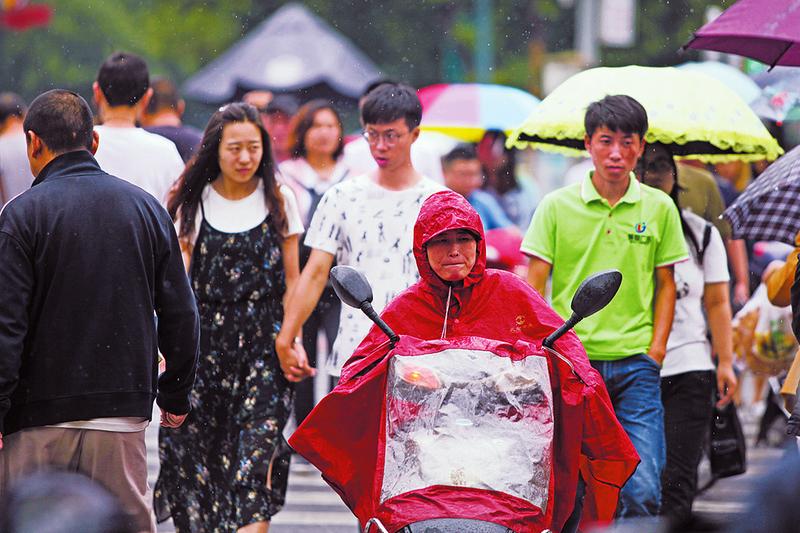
point(366, 222)
point(425, 153)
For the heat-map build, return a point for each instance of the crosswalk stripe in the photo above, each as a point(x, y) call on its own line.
point(310, 518)
point(306, 479)
point(718, 507)
point(316, 497)
point(722, 491)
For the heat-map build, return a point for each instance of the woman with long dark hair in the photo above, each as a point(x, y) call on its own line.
point(688, 376)
point(316, 145)
point(223, 470)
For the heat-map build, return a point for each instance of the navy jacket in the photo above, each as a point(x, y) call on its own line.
point(85, 259)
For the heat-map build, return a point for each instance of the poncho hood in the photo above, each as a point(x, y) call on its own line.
point(443, 211)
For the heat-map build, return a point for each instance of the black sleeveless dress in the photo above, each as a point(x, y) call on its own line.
point(227, 466)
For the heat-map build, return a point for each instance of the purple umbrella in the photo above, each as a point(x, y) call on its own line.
point(766, 30)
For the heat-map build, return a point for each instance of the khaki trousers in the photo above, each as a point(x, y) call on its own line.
point(116, 460)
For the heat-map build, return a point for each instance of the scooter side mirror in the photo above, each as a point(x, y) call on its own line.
point(596, 292)
point(351, 286)
point(593, 294)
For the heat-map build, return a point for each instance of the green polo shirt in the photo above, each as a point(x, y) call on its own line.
point(579, 233)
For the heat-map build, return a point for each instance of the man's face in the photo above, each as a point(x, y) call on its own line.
point(463, 176)
point(614, 153)
point(730, 170)
point(452, 254)
point(390, 143)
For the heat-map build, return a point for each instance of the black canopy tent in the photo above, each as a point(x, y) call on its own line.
point(293, 51)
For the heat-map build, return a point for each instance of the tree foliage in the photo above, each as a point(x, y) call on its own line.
point(663, 27)
point(422, 42)
point(176, 37)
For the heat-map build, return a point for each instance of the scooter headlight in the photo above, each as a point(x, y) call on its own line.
point(420, 376)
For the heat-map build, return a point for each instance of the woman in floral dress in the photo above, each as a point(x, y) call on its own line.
point(226, 468)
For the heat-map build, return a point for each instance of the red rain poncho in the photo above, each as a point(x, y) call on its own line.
point(491, 304)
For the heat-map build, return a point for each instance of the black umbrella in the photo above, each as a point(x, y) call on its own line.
point(769, 208)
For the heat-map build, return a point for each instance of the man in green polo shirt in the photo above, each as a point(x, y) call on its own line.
point(609, 221)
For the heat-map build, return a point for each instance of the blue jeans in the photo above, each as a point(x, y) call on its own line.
point(634, 385)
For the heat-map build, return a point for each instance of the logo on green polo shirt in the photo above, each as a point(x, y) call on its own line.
point(637, 237)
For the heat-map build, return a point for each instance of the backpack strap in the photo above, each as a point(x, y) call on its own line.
point(706, 239)
point(316, 197)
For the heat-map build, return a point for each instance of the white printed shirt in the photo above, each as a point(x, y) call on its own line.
point(688, 349)
point(372, 229)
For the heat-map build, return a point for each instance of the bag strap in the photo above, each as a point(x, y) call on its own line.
point(317, 197)
point(706, 239)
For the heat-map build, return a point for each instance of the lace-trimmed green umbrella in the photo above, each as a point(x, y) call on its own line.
point(696, 114)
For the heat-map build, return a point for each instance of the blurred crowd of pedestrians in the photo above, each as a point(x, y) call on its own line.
point(217, 264)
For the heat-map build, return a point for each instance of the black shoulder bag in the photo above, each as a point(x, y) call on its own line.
point(727, 450)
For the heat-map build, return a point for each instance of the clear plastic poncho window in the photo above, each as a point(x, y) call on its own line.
point(469, 418)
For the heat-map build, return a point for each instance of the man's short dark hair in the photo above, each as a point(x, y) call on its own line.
point(389, 102)
point(617, 112)
point(11, 105)
point(461, 152)
point(123, 78)
point(62, 119)
point(374, 85)
point(165, 96)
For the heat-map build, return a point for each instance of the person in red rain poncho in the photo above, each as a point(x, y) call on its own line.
point(499, 305)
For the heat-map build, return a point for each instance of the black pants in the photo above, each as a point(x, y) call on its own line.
point(688, 407)
point(326, 318)
point(574, 520)
point(772, 413)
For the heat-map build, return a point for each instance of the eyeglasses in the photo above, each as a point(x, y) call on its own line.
point(390, 137)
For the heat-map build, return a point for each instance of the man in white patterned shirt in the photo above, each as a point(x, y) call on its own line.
point(366, 222)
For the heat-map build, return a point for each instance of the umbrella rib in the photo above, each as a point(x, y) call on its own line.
point(688, 45)
point(786, 49)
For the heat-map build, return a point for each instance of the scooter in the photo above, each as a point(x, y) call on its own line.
point(463, 427)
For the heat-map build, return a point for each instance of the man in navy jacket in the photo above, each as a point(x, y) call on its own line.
point(85, 260)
